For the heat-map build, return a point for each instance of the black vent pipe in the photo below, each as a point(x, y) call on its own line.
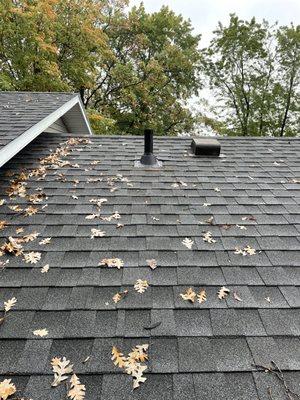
point(148, 158)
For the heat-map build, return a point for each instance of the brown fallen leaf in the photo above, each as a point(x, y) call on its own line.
point(9, 304)
point(118, 358)
point(112, 262)
point(188, 243)
point(189, 295)
point(119, 296)
point(45, 269)
point(32, 257)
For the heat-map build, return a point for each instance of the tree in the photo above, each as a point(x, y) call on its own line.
point(254, 70)
point(49, 45)
point(150, 72)
point(287, 86)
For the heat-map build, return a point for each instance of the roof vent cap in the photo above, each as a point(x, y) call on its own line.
point(204, 147)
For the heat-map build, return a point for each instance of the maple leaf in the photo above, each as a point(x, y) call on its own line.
point(96, 233)
point(189, 295)
point(77, 390)
point(141, 286)
point(32, 257)
point(40, 332)
point(9, 304)
point(45, 269)
point(152, 263)
point(119, 296)
point(61, 368)
point(207, 237)
point(6, 389)
point(118, 358)
point(112, 262)
point(236, 296)
point(45, 241)
point(201, 296)
point(223, 292)
point(188, 243)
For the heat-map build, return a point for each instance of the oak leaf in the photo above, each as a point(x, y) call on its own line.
point(9, 304)
point(32, 257)
point(141, 286)
point(207, 237)
point(189, 295)
point(6, 389)
point(112, 262)
point(223, 292)
point(118, 358)
point(77, 390)
point(96, 233)
point(188, 243)
point(201, 296)
point(61, 368)
point(119, 296)
point(45, 269)
point(152, 263)
point(40, 332)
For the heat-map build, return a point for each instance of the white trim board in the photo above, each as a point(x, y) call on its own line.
point(16, 145)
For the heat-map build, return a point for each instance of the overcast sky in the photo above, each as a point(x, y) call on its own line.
point(205, 14)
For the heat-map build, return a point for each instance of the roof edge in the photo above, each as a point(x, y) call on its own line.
point(15, 146)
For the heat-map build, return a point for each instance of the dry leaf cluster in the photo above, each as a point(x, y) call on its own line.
point(133, 363)
point(7, 388)
point(248, 250)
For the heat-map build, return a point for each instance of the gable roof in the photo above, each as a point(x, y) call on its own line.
point(198, 350)
point(24, 115)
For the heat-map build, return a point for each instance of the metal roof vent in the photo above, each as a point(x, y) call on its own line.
point(206, 147)
point(148, 159)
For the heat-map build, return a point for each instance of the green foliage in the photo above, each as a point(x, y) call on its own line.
point(254, 69)
point(101, 125)
point(150, 72)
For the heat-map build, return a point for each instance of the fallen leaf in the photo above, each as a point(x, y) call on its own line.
point(77, 390)
point(45, 269)
point(120, 226)
point(189, 295)
point(268, 299)
point(201, 296)
point(223, 292)
point(40, 332)
point(236, 296)
point(97, 233)
point(9, 304)
point(45, 241)
point(188, 243)
point(207, 237)
point(61, 368)
point(7, 389)
point(119, 296)
point(118, 358)
point(32, 257)
point(206, 204)
point(141, 286)
point(216, 189)
point(152, 263)
point(112, 262)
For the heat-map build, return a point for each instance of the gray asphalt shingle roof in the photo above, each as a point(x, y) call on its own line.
point(21, 110)
point(198, 350)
